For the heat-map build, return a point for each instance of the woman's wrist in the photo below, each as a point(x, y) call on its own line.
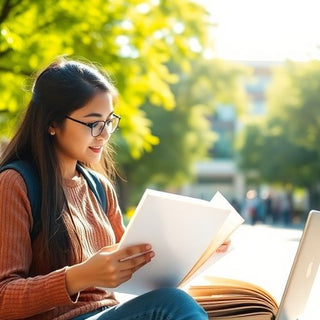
point(76, 279)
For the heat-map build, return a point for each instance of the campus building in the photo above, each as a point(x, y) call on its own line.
point(220, 171)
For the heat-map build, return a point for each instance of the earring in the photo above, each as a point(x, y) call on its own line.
point(52, 133)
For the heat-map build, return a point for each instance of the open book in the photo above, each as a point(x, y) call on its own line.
point(238, 300)
point(230, 299)
point(184, 233)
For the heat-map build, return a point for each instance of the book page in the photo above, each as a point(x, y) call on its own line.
point(179, 228)
point(230, 286)
point(229, 298)
point(232, 222)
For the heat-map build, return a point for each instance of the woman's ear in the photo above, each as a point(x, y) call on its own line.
point(51, 130)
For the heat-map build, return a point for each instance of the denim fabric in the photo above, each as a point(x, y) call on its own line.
point(161, 304)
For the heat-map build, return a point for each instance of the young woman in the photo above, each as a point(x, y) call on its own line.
point(59, 274)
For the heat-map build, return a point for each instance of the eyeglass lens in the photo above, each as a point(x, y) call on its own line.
point(110, 125)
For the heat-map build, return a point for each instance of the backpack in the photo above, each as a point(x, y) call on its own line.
point(32, 181)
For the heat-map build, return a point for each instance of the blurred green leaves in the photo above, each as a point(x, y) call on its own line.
point(153, 51)
point(132, 40)
point(284, 148)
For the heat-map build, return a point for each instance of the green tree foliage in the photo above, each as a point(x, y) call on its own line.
point(284, 148)
point(185, 132)
point(131, 39)
point(149, 48)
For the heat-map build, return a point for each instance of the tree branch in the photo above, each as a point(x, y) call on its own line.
point(8, 5)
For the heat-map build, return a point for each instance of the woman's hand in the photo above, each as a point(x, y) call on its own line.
point(109, 267)
point(224, 247)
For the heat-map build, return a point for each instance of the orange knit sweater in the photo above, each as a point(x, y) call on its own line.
point(45, 296)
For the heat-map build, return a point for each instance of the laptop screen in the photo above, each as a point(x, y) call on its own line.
point(311, 311)
point(303, 281)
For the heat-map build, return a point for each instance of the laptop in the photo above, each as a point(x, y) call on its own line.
point(298, 301)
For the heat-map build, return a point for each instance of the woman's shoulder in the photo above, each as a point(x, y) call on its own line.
point(13, 190)
point(108, 187)
point(106, 182)
point(10, 178)
point(98, 177)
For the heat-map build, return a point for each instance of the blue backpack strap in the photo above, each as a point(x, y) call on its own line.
point(32, 181)
point(95, 185)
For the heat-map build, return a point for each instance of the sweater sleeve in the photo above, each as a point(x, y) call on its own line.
point(22, 296)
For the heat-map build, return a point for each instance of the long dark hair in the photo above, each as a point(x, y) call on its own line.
point(62, 87)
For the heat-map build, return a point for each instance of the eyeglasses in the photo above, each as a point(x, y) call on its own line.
point(98, 126)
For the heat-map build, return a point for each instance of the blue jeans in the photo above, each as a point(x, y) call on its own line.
point(161, 304)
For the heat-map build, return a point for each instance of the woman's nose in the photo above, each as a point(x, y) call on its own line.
point(104, 134)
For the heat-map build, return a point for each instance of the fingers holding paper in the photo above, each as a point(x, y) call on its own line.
point(111, 266)
point(224, 247)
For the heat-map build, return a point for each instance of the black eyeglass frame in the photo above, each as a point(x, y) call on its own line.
point(92, 124)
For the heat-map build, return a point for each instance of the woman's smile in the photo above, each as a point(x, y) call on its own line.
point(97, 149)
